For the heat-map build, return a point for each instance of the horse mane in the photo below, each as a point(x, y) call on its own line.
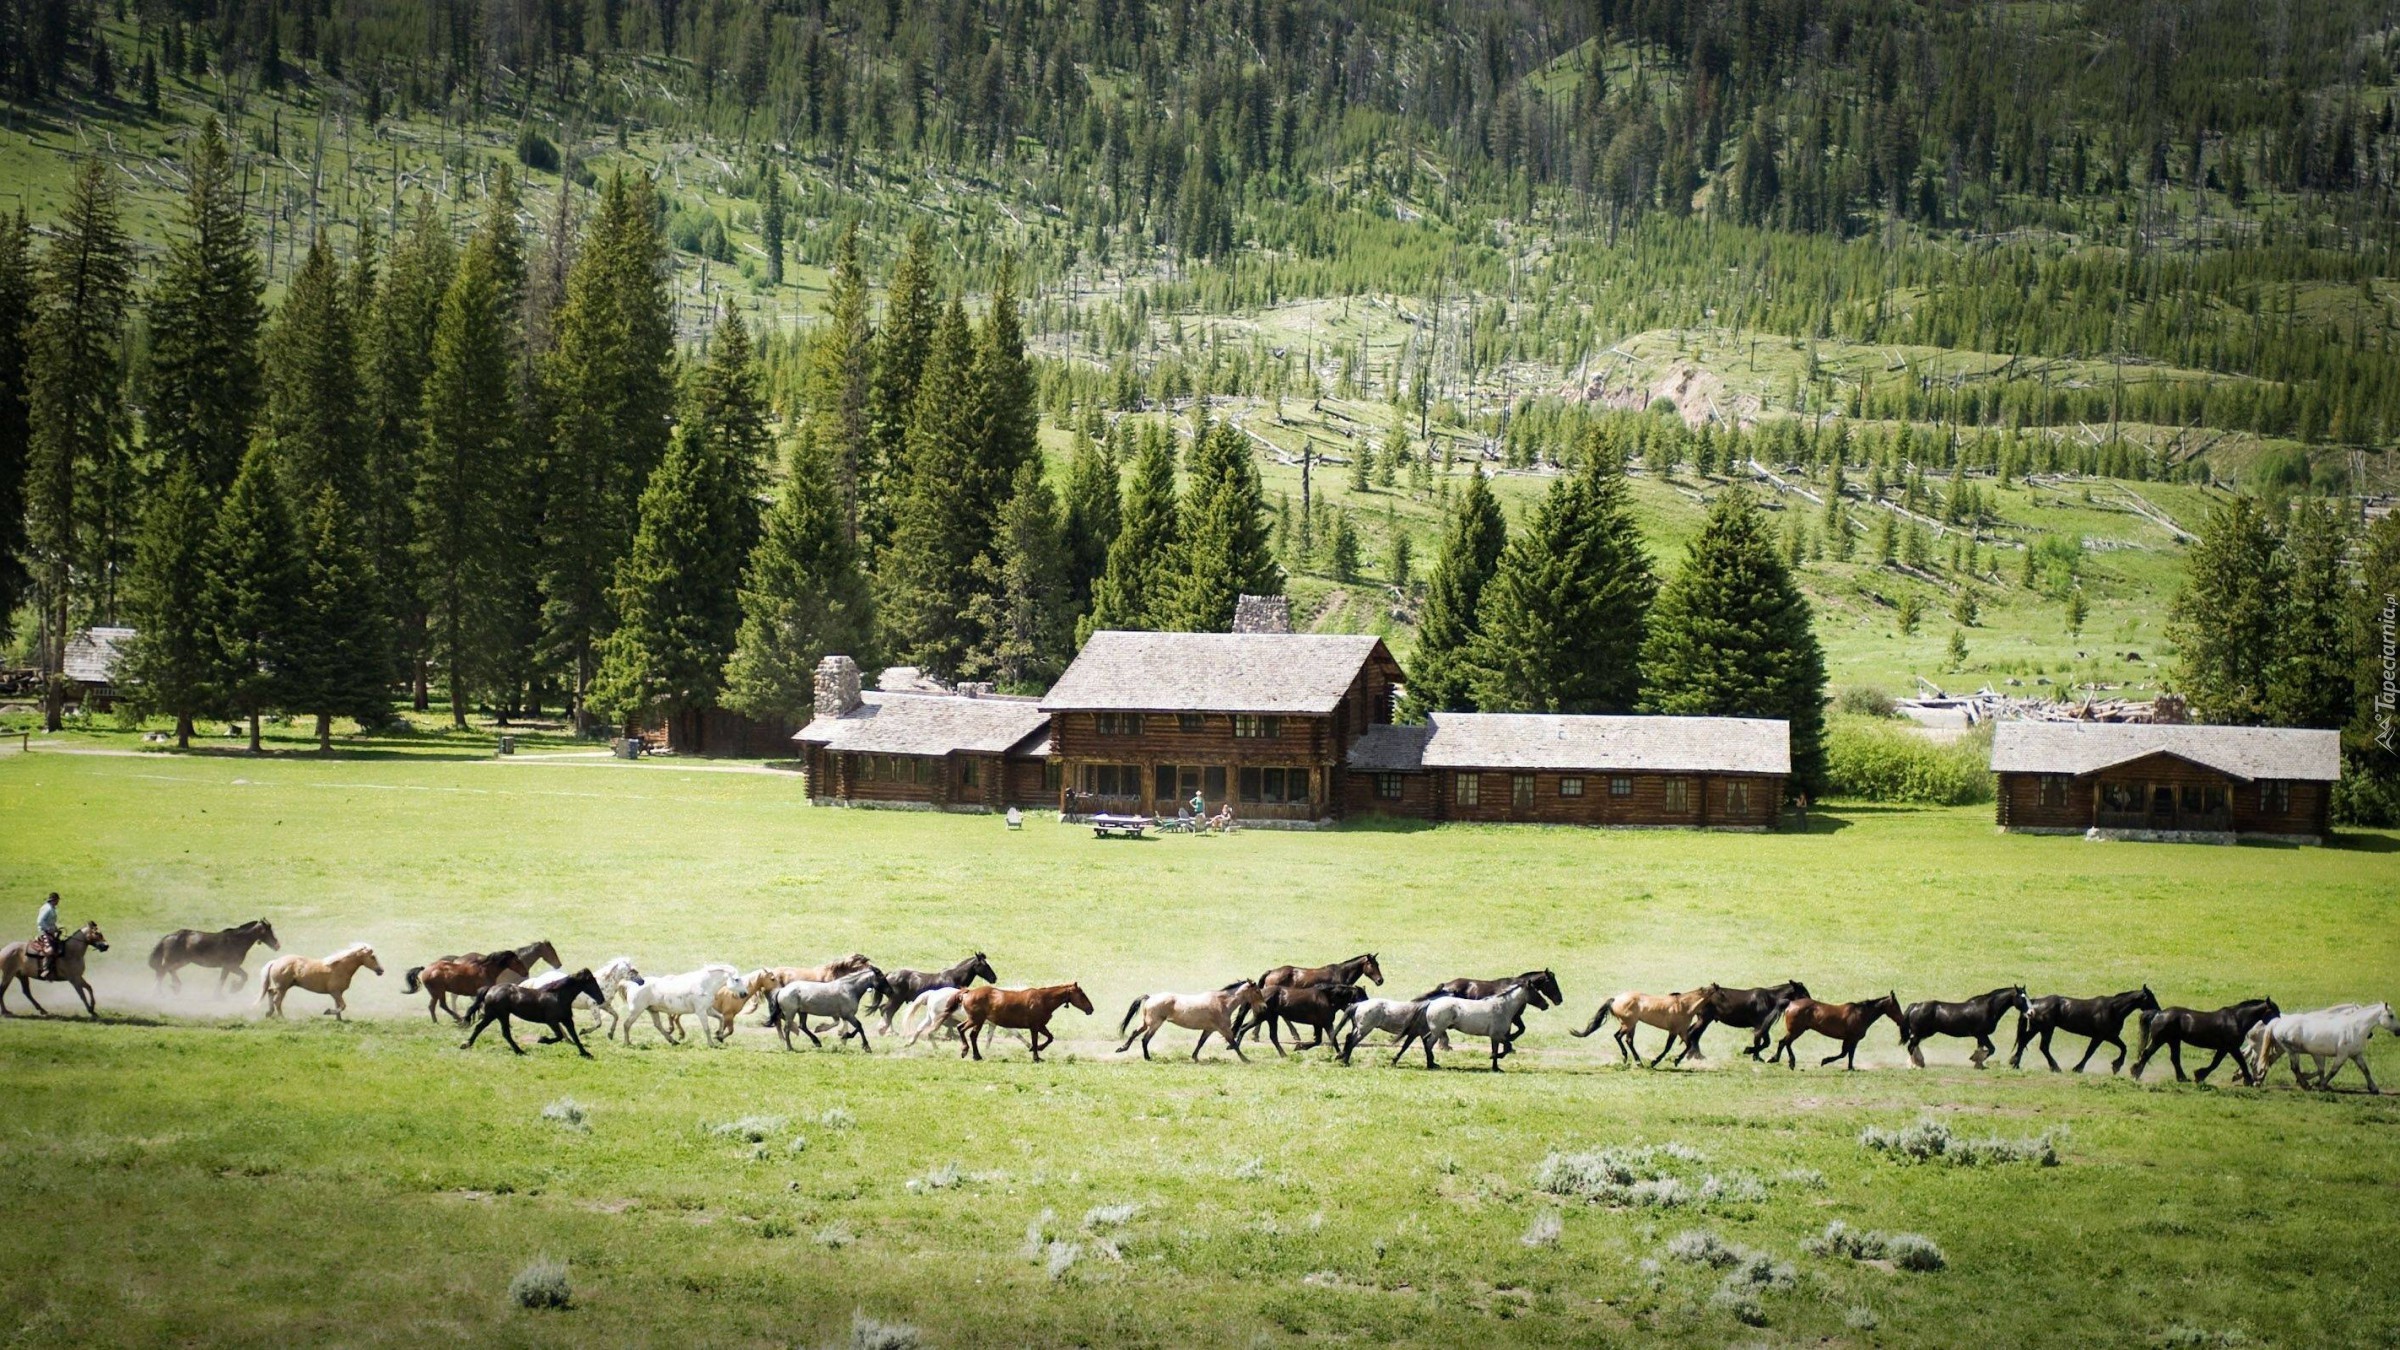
point(352, 950)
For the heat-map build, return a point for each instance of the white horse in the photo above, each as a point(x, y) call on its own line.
point(938, 1008)
point(614, 978)
point(1494, 1017)
point(1401, 1017)
point(794, 1002)
point(2339, 1034)
point(675, 996)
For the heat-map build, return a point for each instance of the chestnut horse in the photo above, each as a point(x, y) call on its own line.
point(1681, 1016)
point(465, 976)
point(330, 976)
point(1844, 1022)
point(1028, 1010)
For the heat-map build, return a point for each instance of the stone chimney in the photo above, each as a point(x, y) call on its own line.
point(837, 686)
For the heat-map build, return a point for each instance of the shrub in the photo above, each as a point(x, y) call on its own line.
point(835, 1236)
point(541, 1285)
point(1908, 1251)
point(1109, 1216)
point(837, 1118)
point(535, 150)
point(1545, 1229)
point(1062, 1258)
point(1743, 1305)
point(1914, 1251)
point(868, 1334)
point(1931, 1140)
point(1701, 1247)
point(751, 1129)
point(568, 1113)
point(1896, 764)
point(1861, 1318)
point(1864, 700)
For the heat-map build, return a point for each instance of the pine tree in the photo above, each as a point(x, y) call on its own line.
point(169, 665)
point(725, 406)
point(772, 224)
point(1562, 619)
point(1440, 678)
point(840, 379)
point(470, 426)
point(902, 346)
point(2226, 622)
point(1227, 549)
point(1133, 587)
point(1020, 613)
point(2309, 683)
point(252, 585)
point(205, 320)
point(396, 362)
point(611, 380)
point(924, 578)
point(1907, 611)
point(340, 663)
point(2369, 792)
point(74, 464)
point(312, 376)
point(2078, 611)
point(1731, 636)
point(677, 589)
point(1005, 411)
point(1093, 517)
point(803, 596)
point(1342, 551)
point(17, 298)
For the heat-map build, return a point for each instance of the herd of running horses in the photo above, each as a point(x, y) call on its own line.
point(1331, 1002)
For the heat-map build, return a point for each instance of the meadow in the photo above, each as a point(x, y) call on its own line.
point(186, 1172)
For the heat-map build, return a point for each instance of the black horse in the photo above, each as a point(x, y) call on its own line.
point(901, 987)
point(1976, 1017)
point(2101, 1018)
point(2223, 1031)
point(222, 951)
point(1542, 985)
point(552, 1006)
point(1753, 1010)
point(1315, 1006)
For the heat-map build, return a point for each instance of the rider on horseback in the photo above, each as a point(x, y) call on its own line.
point(45, 938)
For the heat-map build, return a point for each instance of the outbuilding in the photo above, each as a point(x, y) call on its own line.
point(1692, 772)
point(2155, 781)
point(955, 751)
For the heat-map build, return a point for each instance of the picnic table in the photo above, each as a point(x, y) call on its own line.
point(1119, 827)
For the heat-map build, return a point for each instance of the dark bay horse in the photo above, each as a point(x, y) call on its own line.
point(901, 987)
point(1362, 966)
point(2222, 1031)
point(550, 1005)
point(2102, 1018)
point(466, 976)
point(1541, 987)
point(1026, 1010)
point(1315, 1006)
point(1976, 1017)
point(222, 951)
point(1844, 1022)
point(532, 954)
point(1756, 1010)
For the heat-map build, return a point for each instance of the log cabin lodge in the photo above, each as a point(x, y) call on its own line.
point(1289, 729)
point(2148, 781)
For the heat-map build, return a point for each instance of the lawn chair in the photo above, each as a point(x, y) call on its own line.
point(1016, 819)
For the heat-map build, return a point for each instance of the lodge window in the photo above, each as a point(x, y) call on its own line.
point(966, 771)
point(2050, 790)
point(1520, 791)
point(1054, 775)
point(1679, 794)
point(1620, 787)
point(1112, 780)
point(1190, 722)
point(1737, 796)
point(1165, 780)
point(1118, 724)
point(1570, 787)
point(1274, 786)
point(1387, 787)
point(2275, 794)
point(1257, 728)
point(1470, 789)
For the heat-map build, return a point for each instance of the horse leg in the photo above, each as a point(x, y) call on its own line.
point(2360, 1059)
point(1846, 1045)
point(1916, 1055)
point(507, 1025)
point(1663, 1048)
point(2204, 1073)
point(472, 1036)
point(970, 1040)
point(1033, 1042)
point(861, 1029)
point(2089, 1050)
point(1198, 1043)
point(1784, 1052)
point(84, 992)
point(2116, 1039)
point(340, 1009)
point(573, 1036)
point(1406, 1041)
point(1850, 1054)
point(1496, 1053)
point(2045, 1048)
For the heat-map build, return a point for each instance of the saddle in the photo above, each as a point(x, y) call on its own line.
point(43, 947)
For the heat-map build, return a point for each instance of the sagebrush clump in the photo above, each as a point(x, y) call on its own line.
point(1931, 1140)
point(541, 1285)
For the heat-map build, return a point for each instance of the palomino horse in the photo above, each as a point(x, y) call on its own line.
point(2102, 1019)
point(791, 1005)
point(330, 976)
point(1681, 1016)
point(1753, 1010)
point(1210, 1013)
point(1489, 1017)
point(1404, 1018)
point(1542, 983)
point(66, 967)
point(2338, 1035)
point(551, 1005)
point(2222, 1031)
point(1315, 1006)
point(1975, 1017)
point(671, 998)
point(904, 986)
point(222, 951)
point(466, 976)
point(1844, 1022)
point(1027, 1010)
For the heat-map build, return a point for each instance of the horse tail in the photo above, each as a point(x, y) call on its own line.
point(158, 955)
point(1130, 1010)
point(2142, 1041)
point(408, 981)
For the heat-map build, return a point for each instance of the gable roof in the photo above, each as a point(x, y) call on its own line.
point(1568, 742)
point(93, 653)
point(930, 724)
point(2079, 748)
point(1214, 672)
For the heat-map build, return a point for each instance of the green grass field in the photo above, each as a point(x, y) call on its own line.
point(201, 1177)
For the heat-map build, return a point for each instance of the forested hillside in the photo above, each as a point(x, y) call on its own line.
point(1989, 305)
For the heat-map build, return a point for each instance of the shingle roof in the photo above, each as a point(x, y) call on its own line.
point(1212, 672)
point(92, 654)
point(928, 724)
point(1600, 743)
point(1390, 749)
point(2249, 753)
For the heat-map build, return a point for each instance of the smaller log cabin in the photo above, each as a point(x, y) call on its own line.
point(1144, 722)
point(1724, 773)
point(968, 751)
point(2148, 781)
point(715, 733)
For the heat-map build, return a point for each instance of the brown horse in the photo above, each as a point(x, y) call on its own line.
point(222, 951)
point(66, 967)
point(1844, 1022)
point(465, 976)
point(330, 976)
point(1027, 1010)
point(1678, 1015)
